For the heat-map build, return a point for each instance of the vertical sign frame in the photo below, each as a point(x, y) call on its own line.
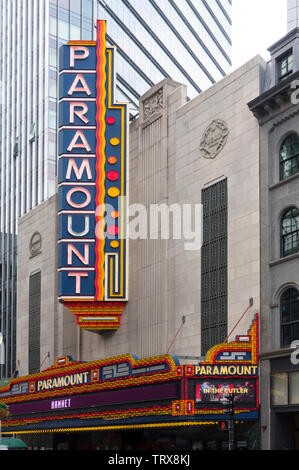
point(92, 185)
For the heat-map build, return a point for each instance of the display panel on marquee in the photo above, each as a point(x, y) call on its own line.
point(92, 185)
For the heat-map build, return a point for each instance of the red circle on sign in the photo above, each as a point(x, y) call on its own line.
point(112, 230)
point(112, 175)
point(110, 120)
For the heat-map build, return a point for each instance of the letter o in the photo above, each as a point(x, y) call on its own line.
point(82, 190)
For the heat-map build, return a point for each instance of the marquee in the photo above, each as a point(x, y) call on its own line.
point(127, 392)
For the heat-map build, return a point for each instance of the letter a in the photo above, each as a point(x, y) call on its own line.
point(84, 88)
point(74, 144)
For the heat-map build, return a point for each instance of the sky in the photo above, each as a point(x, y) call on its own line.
point(257, 24)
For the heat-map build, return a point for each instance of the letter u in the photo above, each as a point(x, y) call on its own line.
point(78, 234)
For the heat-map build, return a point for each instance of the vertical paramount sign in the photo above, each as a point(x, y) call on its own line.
point(92, 178)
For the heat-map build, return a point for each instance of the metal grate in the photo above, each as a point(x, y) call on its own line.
point(34, 322)
point(214, 266)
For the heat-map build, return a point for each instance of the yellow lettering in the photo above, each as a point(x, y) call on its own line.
point(60, 382)
point(223, 370)
point(85, 377)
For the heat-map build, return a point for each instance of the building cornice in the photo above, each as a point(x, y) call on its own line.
point(290, 36)
point(273, 101)
point(275, 354)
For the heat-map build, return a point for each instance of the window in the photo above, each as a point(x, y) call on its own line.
point(294, 388)
point(285, 388)
point(279, 389)
point(285, 66)
point(289, 157)
point(214, 266)
point(34, 322)
point(289, 309)
point(290, 232)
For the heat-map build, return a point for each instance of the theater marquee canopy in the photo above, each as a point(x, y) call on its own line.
point(125, 392)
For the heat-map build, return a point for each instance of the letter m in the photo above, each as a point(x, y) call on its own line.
point(72, 165)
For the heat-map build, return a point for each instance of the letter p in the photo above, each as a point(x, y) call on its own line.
point(83, 54)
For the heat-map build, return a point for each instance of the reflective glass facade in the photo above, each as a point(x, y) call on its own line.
point(31, 33)
point(186, 40)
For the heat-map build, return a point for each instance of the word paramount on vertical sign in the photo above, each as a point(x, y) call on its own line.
point(92, 194)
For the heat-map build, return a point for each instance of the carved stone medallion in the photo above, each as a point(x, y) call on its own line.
point(214, 139)
point(35, 244)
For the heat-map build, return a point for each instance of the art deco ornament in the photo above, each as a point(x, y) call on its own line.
point(214, 139)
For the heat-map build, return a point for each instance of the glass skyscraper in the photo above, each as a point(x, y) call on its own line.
point(31, 33)
point(187, 40)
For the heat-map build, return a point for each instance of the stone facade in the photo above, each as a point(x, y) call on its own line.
point(166, 166)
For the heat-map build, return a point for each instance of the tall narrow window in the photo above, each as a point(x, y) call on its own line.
point(289, 308)
point(214, 266)
point(290, 232)
point(34, 322)
point(289, 157)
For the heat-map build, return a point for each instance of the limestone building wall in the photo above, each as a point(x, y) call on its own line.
point(166, 166)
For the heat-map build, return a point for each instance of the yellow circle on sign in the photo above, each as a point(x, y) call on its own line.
point(113, 192)
point(114, 244)
point(114, 141)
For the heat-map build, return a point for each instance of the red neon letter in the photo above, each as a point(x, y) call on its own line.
point(78, 112)
point(74, 56)
point(84, 88)
point(78, 171)
point(71, 249)
point(74, 144)
point(82, 190)
point(78, 280)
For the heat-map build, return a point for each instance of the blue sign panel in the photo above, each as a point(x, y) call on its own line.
point(92, 185)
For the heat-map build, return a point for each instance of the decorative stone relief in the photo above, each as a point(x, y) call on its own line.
point(214, 139)
point(153, 105)
point(35, 244)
